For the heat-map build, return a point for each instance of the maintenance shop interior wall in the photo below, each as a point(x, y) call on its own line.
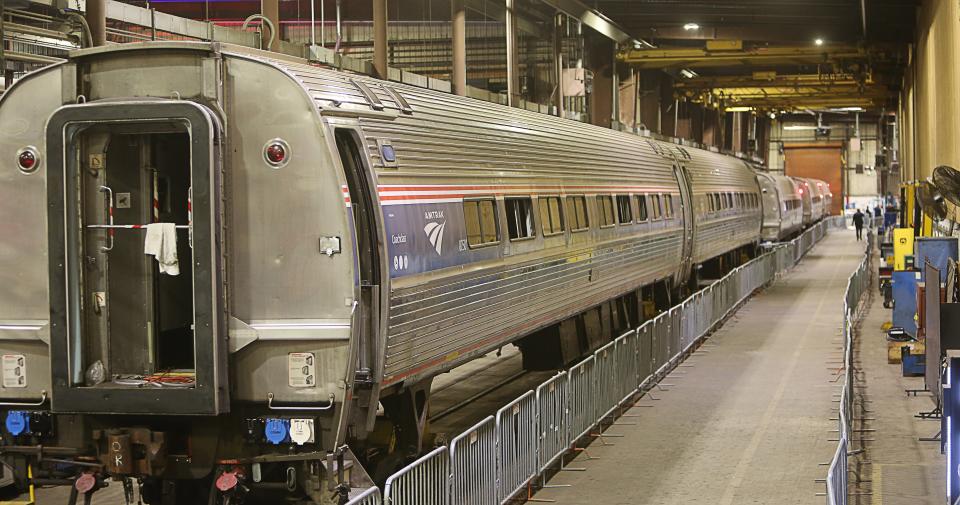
point(930, 102)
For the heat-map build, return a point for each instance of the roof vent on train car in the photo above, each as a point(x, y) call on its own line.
point(398, 99)
point(372, 99)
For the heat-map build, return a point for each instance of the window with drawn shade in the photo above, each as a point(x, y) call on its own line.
point(577, 213)
point(641, 208)
point(624, 209)
point(668, 206)
point(551, 215)
point(519, 218)
point(607, 213)
point(657, 209)
point(480, 217)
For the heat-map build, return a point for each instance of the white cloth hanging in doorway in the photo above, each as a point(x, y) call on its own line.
point(161, 243)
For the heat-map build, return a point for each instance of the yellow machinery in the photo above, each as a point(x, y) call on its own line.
point(911, 215)
point(902, 247)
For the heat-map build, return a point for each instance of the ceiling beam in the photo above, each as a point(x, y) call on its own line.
point(592, 18)
point(771, 55)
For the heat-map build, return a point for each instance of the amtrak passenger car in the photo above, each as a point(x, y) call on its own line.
point(782, 207)
point(341, 240)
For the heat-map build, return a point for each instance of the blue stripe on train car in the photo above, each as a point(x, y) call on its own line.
point(426, 237)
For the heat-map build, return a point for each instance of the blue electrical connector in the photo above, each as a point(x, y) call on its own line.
point(276, 430)
point(17, 422)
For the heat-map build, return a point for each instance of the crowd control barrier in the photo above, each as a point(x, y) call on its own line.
point(504, 455)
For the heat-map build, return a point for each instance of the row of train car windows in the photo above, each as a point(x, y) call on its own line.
point(792, 204)
point(722, 201)
point(480, 215)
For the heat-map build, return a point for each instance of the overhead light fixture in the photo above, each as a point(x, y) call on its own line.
point(691, 26)
point(773, 115)
point(689, 74)
point(818, 41)
point(739, 109)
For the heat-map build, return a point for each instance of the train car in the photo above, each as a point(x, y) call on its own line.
point(816, 199)
point(725, 191)
point(225, 264)
point(827, 198)
point(806, 200)
point(782, 207)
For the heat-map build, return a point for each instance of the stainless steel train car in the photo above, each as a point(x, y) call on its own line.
point(816, 198)
point(806, 195)
point(782, 207)
point(221, 266)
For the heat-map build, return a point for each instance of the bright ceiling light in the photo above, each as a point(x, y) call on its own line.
point(818, 42)
point(691, 26)
point(689, 74)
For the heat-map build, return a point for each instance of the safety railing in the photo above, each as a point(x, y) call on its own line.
point(369, 497)
point(857, 286)
point(423, 482)
point(504, 455)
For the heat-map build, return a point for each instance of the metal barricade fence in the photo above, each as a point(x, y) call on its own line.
point(629, 357)
point(581, 413)
point(645, 363)
point(495, 459)
point(369, 497)
point(423, 482)
point(857, 285)
point(606, 396)
point(552, 420)
point(516, 445)
point(473, 465)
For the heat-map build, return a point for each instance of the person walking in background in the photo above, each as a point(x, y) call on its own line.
point(858, 224)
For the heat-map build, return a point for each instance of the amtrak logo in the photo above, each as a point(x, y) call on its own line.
point(434, 231)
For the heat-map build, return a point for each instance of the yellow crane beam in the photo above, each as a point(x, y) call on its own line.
point(737, 54)
point(772, 79)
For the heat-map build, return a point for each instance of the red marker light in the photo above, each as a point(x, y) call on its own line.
point(28, 160)
point(276, 154)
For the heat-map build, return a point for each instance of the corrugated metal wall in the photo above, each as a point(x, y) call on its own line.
point(930, 103)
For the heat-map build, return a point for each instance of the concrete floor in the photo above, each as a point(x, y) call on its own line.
point(904, 470)
point(750, 420)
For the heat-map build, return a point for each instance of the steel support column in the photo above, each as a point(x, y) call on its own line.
point(513, 65)
point(97, 19)
point(558, 22)
point(459, 20)
point(270, 9)
point(380, 38)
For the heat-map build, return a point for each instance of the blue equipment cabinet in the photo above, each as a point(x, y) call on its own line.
point(905, 300)
point(936, 250)
point(950, 423)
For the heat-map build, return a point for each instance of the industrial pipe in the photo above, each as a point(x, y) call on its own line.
point(264, 20)
point(86, 38)
point(336, 49)
point(313, 23)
